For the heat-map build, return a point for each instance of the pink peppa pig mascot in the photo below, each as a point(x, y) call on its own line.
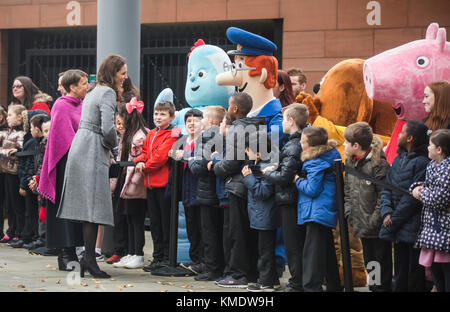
point(400, 75)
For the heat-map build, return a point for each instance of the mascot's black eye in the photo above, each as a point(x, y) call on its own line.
point(422, 61)
point(202, 74)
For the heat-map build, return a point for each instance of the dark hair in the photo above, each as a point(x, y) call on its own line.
point(193, 113)
point(361, 133)
point(132, 123)
point(418, 131)
point(165, 106)
point(243, 102)
point(30, 91)
point(108, 69)
point(130, 91)
point(441, 138)
point(287, 95)
point(257, 138)
point(72, 77)
point(38, 120)
point(298, 112)
point(439, 118)
point(316, 135)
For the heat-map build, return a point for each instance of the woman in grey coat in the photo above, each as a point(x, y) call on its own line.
point(86, 195)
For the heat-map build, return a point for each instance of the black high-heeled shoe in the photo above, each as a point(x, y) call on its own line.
point(65, 257)
point(97, 273)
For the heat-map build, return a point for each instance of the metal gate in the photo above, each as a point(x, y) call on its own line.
point(43, 53)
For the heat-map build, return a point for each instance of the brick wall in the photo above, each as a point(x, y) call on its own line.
point(316, 33)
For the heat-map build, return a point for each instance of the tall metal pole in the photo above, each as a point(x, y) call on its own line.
point(119, 32)
point(343, 228)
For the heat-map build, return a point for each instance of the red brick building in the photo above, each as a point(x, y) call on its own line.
point(316, 34)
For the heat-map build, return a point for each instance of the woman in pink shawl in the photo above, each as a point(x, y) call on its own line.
point(66, 113)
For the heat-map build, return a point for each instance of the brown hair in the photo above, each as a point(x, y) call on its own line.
point(287, 95)
point(439, 117)
point(72, 77)
point(30, 91)
point(299, 73)
point(298, 112)
point(108, 69)
point(260, 62)
point(216, 113)
point(4, 113)
point(316, 135)
point(441, 138)
point(361, 133)
point(165, 106)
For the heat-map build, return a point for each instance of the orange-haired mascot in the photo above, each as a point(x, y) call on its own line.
point(341, 101)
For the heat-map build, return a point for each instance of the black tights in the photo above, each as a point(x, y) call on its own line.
point(90, 238)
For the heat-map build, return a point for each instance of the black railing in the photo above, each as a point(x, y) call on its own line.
point(43, 53)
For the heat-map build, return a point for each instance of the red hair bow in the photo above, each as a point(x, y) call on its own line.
point(135, 104)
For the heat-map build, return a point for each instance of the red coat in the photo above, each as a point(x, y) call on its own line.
point(155, 156)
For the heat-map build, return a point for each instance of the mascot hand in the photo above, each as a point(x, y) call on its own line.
point(311, 103)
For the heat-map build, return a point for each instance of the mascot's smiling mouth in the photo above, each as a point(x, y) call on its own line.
point(243, 88)
point(195, 89)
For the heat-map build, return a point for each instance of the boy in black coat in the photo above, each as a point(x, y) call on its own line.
point(26, 172)
point(286, 195)
point(182, 151)
point(211, 213)
point(243, 253)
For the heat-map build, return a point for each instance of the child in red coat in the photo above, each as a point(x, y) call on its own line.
point(153, 162)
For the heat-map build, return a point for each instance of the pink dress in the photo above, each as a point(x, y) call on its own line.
point(428, 256)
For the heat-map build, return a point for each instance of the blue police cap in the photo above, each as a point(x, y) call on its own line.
point(249, 43)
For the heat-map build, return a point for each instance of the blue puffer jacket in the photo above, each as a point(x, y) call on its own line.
point(404, 209)
point(317, 192)
point(261, 200)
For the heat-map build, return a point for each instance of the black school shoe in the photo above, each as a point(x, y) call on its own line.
point(207, 276)
point(34, 244)
point(155, 265)
point(19, 243)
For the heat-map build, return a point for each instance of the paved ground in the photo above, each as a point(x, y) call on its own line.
point(23, 272)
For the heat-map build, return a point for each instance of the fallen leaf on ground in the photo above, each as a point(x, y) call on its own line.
point(163, 290)
point(190, 290)
point(58, 282)
point(119, 287)
point(170, 283)
point(49, 266)
point(112, 279)
point(21, 286)
point(130, 285)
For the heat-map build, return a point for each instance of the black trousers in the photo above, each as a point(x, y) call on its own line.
point(319, 259)
point(193, 230)
point(159, 213)
point(441, 276)
point(266, 261)
point(61, 233)
point(409, 275)
point(226, 239)
point(136, 209)
point(120, 231)
point(212, 237)
point(243, 241)
point(31, 217)
point(294, 238)
point(375, 249)
point(15, 209)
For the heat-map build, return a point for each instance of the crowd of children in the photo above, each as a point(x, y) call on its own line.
point(237, 191)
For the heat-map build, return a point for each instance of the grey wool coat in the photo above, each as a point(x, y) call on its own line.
point(86, 194)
